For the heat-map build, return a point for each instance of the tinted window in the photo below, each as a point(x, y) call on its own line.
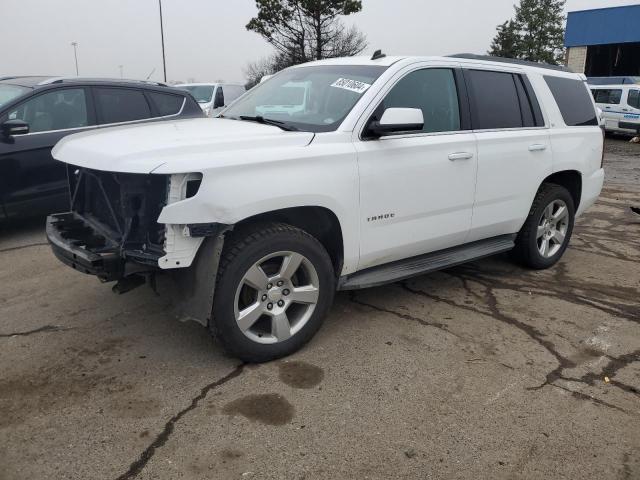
point(56, 110)
point(572, 97)
point(434, 92)
point(608, 96)
point(526, 109)
point(121, 105)
point(634, 98)
point(494, 100)
point(165, 103)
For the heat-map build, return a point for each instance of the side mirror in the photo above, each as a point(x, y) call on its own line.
point(397, 120)
point(218, 102)
point(601, 119)
point(14, 127)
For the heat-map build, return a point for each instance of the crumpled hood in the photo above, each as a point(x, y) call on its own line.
point(145, 147)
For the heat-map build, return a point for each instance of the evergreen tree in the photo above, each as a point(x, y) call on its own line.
point(304, 30)
point(536, 33)
point(505, 42)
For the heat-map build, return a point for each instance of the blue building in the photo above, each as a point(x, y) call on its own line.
point(604, 42)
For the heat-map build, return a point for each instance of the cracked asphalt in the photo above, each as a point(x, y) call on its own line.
point(482, 371)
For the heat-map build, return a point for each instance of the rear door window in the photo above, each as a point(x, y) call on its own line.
point(574, 101)
point(117, 105)
point(494, 100)
point(166, 103)
point(634, 98)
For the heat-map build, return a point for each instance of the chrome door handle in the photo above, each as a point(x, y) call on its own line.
point(460, 156)
point(538, 147)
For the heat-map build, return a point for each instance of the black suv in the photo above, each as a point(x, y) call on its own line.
point(36, 112)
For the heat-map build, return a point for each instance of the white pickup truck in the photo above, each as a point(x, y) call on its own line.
point(396, 166)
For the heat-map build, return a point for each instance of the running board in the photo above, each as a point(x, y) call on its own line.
point(430, 262)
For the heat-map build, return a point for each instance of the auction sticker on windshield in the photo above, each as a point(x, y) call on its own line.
point(352, 85)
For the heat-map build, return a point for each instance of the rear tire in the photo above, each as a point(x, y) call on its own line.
point(274, 288)
point(545, 235)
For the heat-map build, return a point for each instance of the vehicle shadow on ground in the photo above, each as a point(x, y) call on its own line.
point(17, 233)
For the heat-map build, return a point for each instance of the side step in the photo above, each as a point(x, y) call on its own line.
point(430, 262)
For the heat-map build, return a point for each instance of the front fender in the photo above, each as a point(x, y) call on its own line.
point(326, 177)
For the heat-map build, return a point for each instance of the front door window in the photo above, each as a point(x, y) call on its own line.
point(56, 110)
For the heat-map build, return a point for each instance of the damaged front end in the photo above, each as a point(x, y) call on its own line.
point(112, 230)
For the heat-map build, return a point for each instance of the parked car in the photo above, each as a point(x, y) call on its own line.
point(396, 167)
point(620, 105)
point(36, 112)
point(213, 97)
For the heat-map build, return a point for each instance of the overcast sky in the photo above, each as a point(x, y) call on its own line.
point(206, 40)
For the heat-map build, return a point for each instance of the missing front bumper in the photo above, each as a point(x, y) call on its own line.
point(78, 243)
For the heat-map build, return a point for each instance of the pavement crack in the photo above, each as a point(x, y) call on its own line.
point(21, 247)
point(46, 328)
point(610, 370)
point(405, 316)
point(136, 467)
point(491, 301)
point(584, 396)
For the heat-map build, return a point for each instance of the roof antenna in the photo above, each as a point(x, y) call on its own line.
point(378, 55)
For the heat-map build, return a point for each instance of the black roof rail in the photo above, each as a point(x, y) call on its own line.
point(53, 80)
point(515, 61)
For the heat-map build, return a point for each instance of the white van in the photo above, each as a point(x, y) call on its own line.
point(620, 105)
point(291, 99)
point(213, 97)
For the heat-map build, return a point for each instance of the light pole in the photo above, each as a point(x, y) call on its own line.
point(164, 64)
point(75, 54)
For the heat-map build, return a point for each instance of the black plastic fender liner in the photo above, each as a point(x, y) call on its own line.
point(190, 290)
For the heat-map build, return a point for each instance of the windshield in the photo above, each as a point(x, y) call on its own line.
point(314, 99)
point(10, 92)
point(202, 93)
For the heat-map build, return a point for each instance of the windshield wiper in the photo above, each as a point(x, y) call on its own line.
point(268, 121)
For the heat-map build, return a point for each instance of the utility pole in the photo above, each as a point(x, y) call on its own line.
point(164, 64)
point(75, 53)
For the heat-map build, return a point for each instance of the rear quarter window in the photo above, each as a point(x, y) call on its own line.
point(166, 103)
point(574, 101)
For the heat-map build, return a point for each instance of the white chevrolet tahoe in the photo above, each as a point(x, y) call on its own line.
point(395, 167)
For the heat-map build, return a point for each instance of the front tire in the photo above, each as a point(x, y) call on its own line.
point(545, 235)
point(274, 288)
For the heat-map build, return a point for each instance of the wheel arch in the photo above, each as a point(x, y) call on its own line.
point(320, 222)
point(569, 179)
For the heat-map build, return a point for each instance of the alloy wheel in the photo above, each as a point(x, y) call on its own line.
point(552, 228)
point(276, 297)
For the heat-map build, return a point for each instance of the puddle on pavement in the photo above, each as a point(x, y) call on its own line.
point(298, 374)
point(268, 408)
